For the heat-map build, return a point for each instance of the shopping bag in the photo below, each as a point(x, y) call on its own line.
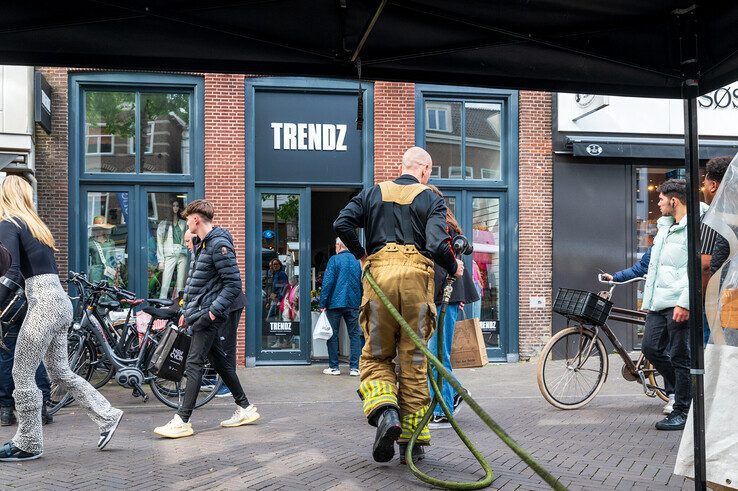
point(170, 357)
point(469, 349)
point(323, 329)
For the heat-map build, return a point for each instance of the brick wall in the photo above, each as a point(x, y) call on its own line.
point(394, 126)
point(52, 170)
point(225, 166)
point(536, 219)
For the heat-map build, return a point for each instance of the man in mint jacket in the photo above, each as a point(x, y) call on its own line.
point(666, 298)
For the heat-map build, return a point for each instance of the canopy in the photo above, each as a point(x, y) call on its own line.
point(624, 47)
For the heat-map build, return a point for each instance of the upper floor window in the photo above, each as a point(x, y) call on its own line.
point(137, 132)
point(464, 138)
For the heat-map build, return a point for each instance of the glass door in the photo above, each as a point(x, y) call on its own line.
point(282, 245)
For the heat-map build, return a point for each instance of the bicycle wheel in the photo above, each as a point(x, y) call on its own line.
point(172, 393)
point(81, 361)
point(655, 381)
point(102, 369)
point(572, 368)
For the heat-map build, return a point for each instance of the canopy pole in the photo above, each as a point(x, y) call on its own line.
point(691, 149)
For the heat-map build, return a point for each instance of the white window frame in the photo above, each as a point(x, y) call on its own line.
point(98, 138)
point(438, 107)
point(150, 146)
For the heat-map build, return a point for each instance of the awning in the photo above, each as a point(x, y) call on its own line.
point(602, 146)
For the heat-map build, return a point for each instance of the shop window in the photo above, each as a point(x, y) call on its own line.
point(107, 232)
point(464, 139)
point(113, 119)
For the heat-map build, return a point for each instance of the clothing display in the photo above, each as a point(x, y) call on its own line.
point(171, 254)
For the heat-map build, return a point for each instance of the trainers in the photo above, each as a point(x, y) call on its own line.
point(332, 371)
point(242, 416)
point(223, 391)
point(107, 434)
point(669, 405)
point(7, 417)
point(46, 418)
point(354, 372)
point(11, 453)
point(673, 422)
point(457, 402)
point(208, 384)
point(438, 423)
point(176, 428)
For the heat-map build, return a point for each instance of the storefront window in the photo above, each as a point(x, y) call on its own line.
point(464, 139)
point(167, 256)
point(112, 145)
point(107, 226)
point(280, 271)
point(486, 266)
point(110, 127)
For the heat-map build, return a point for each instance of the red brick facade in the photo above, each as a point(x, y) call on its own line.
point(536, 219)
point(394, 131)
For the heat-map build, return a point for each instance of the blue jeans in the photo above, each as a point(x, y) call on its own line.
point(449, 324)
point(705, 329)
point(351, 317)
point(6, 375)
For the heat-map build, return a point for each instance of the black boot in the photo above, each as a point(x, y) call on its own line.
point(418, 453)
point(673, 422)
point(46, 418)
point(388, 431)
point(7, 418)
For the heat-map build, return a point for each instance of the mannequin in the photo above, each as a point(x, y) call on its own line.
point(101, 252)
point(171, 252)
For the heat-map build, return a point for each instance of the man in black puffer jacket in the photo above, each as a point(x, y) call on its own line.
point(213, 302)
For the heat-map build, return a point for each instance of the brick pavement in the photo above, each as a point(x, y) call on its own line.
point(312, 436)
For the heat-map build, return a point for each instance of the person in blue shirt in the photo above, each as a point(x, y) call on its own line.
point(340, 297)
point(638, 270)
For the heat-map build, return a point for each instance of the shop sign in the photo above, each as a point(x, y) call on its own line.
point(306, 137)
point(722, 98)
point(281, 328)
point(42, 102)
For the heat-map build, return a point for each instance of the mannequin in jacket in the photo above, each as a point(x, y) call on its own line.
point(171, 252)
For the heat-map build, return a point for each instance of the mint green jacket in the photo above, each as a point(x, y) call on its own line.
point(667, 285)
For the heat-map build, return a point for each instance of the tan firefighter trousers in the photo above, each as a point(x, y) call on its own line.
point(406, 278)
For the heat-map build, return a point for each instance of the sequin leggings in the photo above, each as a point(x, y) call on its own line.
point(44, 336)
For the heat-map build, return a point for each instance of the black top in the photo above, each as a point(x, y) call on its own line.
point(427, 215)
point(30, 257)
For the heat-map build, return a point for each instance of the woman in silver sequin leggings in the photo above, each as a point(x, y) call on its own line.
point(43, 334)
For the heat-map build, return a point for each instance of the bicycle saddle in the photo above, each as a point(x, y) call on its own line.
point(165, 314)
point(109, 304)
point(160, 302)
point(133, 303)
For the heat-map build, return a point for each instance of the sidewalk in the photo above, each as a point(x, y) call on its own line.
point(312, 435)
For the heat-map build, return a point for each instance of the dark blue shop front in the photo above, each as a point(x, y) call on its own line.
point(305, 160)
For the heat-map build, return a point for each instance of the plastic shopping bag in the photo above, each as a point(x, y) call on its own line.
point(323, 329)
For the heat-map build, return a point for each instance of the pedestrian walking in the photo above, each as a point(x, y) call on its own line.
point(340, 298)
point(213, 301)
point(44, 330)
point(404, 224)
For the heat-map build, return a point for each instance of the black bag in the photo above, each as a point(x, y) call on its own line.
point(170, 357)
point(12, 311)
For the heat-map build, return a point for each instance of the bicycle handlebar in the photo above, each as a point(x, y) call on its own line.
point(610, 282)
point(102, 286)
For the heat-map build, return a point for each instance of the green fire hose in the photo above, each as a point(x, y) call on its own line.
point(443, 373)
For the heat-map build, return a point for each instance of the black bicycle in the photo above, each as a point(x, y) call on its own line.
point(128, 353)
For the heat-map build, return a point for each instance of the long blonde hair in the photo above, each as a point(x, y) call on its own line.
point(16, 203)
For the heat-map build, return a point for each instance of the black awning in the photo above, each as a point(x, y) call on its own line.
point(625, 47)
point(651, 148)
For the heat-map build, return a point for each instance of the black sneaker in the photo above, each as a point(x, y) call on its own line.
point(11, 453)
point(418, 453)
point(439, 422)
point(673, 422)
point(7, 417)
point(46, 418)
point(457, 402)
point(388, 431)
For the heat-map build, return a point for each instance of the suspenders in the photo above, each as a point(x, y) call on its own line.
point(396, 201)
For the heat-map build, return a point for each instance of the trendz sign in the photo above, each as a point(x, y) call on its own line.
point(306, 137)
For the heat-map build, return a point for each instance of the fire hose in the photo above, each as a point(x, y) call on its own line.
point(443, 373)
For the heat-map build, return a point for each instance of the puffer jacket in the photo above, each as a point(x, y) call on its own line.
point(214, 282)
point(341, 283)
point(667, 285)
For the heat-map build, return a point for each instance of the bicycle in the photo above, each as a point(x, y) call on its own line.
point(574, 364)
point(131, 363)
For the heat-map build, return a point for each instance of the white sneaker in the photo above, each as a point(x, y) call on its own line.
point(332, 371)
point(176, 428)
point(354, 372)
point(242, 416)
point(669, 405)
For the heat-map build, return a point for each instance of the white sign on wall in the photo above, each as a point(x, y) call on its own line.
point(717, 114)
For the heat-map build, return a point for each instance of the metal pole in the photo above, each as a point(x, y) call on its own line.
point(694, 268)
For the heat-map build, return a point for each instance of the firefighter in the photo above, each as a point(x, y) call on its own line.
point(405, 228)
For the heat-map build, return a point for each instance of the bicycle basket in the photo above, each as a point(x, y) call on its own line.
point(582, 306)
